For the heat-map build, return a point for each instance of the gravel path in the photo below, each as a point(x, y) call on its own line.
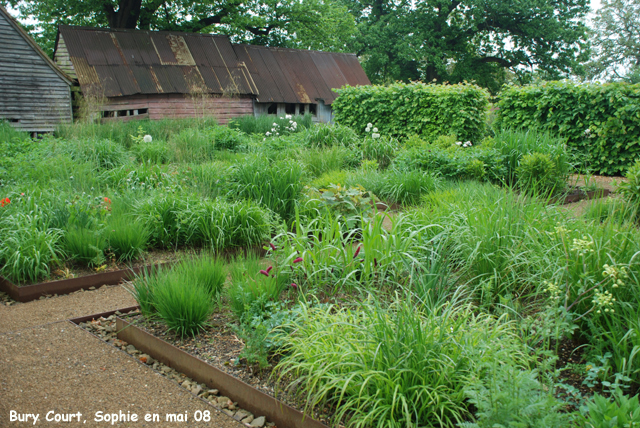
point(39, 312)
point(49, 364)
point(62, 368)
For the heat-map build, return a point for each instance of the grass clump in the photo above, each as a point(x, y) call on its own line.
point(184, 297)
point(85, 246)
point(396, 366)
point(127, 238)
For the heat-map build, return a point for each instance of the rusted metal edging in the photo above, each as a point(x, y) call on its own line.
point(66, 286)
point(86, 318)
point(248, 397)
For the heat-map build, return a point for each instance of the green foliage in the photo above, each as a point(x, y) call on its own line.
point(380, 149)
point(276, 185)
point(253, 286)
point(127, 237)
point(394, 365)
point(351, 203)
point(329, 178)
point(103, 153)
point(514, 144)
point(85, 246)
point(599, 121)
point(184, 306)
point(631, 187)
point(329, 135)
point(510, 397)
point(454, 163)
point(402, 110)
point(538, 172)
point(28, 248)
point(621, 412)
point(318, 161)
point(264, 123)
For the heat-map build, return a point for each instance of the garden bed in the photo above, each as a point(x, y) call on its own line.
point(576, 194)
point(210, 359)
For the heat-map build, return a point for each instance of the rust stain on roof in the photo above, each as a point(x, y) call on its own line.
point(115, 63)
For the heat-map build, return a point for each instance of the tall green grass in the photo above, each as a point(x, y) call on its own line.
point(264, 123)
point(127, 238)
point(381, 365)
point(85, 246)
point(276, 185)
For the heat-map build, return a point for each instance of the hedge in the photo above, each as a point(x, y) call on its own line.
point(402, 110)
point(601, 122)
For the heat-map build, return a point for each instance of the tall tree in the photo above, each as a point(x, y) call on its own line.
point(616, 41)
point(454, 40)
point(317, 24)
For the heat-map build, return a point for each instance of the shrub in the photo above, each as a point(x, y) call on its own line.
point(155, 152)
point(395, 365)
point(352, 203)
point(401, 110)
point(85, 246)
point(229, 139)
point(538, 172)
point(598, 120)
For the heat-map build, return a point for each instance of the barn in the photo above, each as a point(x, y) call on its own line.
point(135, 74)
point(35, 94)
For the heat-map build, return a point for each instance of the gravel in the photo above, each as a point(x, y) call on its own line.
point(39, 312)
point(61, 368)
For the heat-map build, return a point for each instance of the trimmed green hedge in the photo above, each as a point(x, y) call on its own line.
point(601, 122)
point(401, 110)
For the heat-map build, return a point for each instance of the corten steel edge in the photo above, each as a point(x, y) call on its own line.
point(79, 320)
point(66, 286)
point(248, 398)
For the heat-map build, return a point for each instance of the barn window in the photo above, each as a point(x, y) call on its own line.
point(313, 110)
point(14, 120)
point(290, 108)
point(272, 109)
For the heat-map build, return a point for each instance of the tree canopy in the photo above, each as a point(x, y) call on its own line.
point(616, 41)
point(455, 40)
point(315, 24)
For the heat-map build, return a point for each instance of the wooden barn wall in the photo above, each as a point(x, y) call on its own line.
point(33, 97)
point(177, 106)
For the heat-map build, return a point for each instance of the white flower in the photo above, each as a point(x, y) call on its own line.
point(587, 131)
point(458, 143)
point(147, 138)
point(374, 135)
point(268, 133)
point(294, 124)
point(288, 116)
point(375, 129)
point(369, 125)
point(275, 124)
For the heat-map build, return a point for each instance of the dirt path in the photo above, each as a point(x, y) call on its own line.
point(56, 366)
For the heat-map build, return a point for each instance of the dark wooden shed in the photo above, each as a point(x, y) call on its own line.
point(35, 95)
point(134, 74)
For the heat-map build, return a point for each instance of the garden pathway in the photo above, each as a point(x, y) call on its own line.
point(49, 364)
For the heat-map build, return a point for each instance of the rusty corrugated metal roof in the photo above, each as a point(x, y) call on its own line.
point(299, 76)
point(116, 63)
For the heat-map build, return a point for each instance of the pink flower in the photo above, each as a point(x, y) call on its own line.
point(21, 194)
point(294, 285)
point(298, 260)
point(357, 252)
point(264, 272)
point(269, 269)
point(273, 247)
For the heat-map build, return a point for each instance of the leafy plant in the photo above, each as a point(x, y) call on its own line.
point(631, 187)
point(621, 412)
point(538, 172)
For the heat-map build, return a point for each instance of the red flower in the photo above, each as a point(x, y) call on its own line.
point(298, 260)
point(273, 247)
point(264, 272)
point(357, 252)
point(5, 201)
point(294, 285)
point(107, 200)
point(269, 269)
